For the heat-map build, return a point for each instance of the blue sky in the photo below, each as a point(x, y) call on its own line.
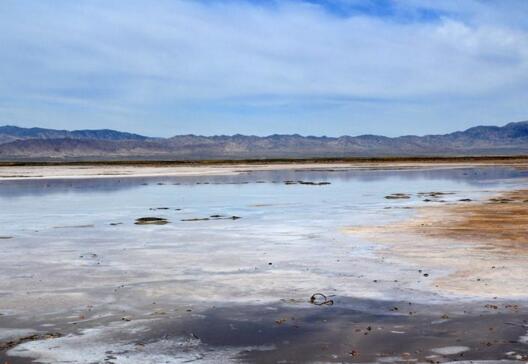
point(314, 67)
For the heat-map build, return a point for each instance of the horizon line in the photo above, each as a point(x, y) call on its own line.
point(258, 136)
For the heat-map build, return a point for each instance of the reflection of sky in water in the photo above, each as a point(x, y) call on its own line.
point(351, 197)
point(472, 176)
point(296, 227)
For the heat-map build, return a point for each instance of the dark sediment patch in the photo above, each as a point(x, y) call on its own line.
point(398, 196)
point(151, 221)
point(212, 217)
point(6, 345)
point(434, 194)
point(336, 334)
point(372, 331)
point(308, 183)
point(196, 219)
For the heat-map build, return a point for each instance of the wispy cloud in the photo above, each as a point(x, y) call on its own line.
point(323, 67)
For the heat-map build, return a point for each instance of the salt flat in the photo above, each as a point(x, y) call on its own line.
point(160, 169)
point(230, 276)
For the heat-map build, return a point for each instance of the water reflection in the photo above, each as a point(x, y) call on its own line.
point(481, 176)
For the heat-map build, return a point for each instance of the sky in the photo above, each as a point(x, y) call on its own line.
point(311, 67)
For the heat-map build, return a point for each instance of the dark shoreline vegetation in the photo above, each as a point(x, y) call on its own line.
point(208, 162)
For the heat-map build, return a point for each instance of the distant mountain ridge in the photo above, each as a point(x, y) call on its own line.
point(11, 133)
point(48, 144)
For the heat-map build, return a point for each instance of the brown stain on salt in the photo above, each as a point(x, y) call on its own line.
point(483, 245)
point(501, 222)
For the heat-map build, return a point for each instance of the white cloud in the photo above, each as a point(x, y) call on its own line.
point(125, 60)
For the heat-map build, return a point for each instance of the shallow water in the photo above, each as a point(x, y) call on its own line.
point(73, 261)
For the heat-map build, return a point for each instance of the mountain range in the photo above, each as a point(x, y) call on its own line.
point(38, 144)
